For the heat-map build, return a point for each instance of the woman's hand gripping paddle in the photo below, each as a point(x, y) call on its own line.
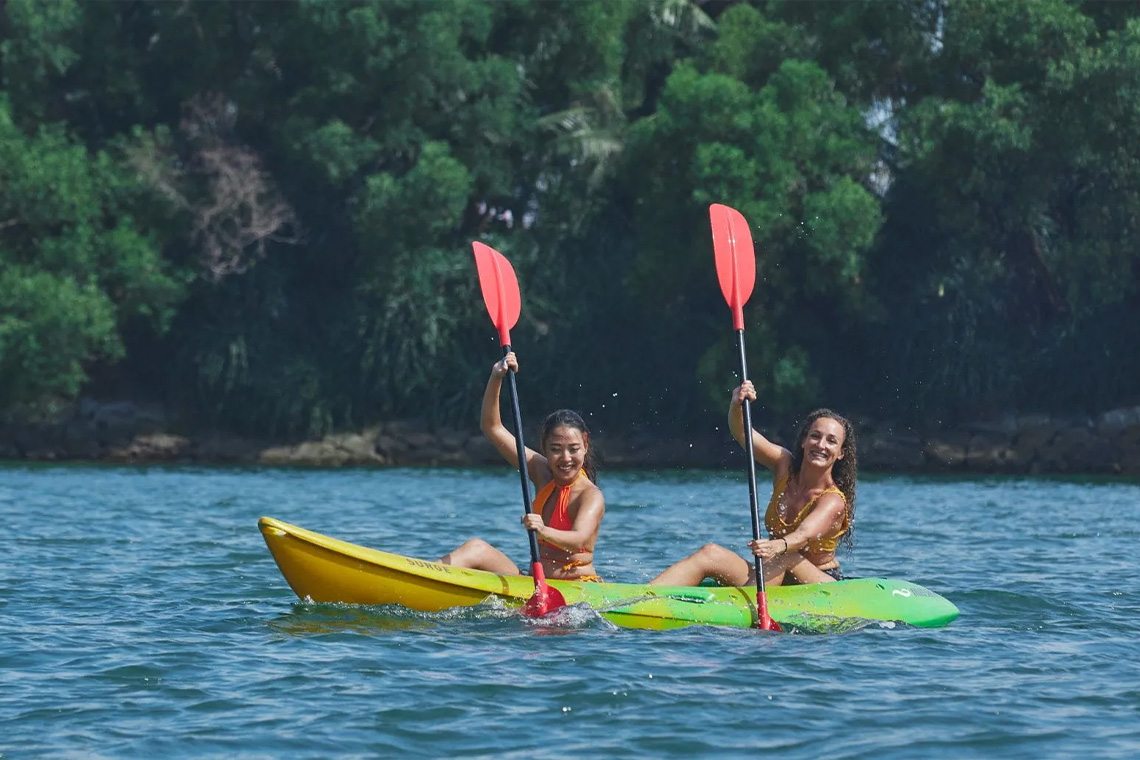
point(501, 294)
point(736, 270)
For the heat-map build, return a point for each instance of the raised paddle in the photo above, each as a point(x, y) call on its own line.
point(736, 270)
point(501, 295)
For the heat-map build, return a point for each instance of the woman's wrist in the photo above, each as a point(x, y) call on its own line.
point(786, 546)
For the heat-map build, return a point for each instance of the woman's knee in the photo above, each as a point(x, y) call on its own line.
point(471, 551)
point(710, 552)
point(806, 572)
point(474, 545)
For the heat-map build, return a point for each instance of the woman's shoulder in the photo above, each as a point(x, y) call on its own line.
point(589, 491)
point(782, 467)
point(780, 479)
point(831, 499)
point(837, 492)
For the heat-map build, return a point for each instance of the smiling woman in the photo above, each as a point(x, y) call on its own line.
point(811, 509)
point(568, 508)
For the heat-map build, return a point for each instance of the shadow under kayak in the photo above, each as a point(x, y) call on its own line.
point(326, 569)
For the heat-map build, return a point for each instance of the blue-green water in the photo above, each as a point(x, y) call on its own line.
point(142, 616)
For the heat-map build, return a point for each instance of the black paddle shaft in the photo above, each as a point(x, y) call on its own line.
point(746, 407)
point(520, 449)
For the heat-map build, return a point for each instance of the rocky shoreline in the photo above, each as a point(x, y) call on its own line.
point(125, 432)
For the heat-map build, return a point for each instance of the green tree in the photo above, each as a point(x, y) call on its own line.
point(77, 268)
point(772, 137)
point(1012, 213)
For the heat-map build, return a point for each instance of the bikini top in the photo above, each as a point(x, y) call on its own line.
point(559, 519)
point(778, 528)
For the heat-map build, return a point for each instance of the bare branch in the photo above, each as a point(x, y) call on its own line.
point(239, 211)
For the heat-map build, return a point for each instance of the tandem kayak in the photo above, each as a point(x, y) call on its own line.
point(325, 569)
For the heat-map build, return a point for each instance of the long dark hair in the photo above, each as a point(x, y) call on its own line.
point(845, 471)
point(571, 419)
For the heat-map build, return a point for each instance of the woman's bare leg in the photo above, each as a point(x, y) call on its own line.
point(805, 572)
point(710, 561)
point(477, 554)
point(777, 569)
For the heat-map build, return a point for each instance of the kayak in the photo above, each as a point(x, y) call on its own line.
point(324, 569)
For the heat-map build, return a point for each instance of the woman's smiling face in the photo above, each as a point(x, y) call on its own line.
point(823, 444)
point(565, 450)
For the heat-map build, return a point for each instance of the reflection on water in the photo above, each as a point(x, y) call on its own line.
point(307, 618)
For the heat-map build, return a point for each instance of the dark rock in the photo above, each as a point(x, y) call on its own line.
point(890, 451)
point(480, 451)
point(451, 441)
point(227, 449)
point(1079, 450)
point(1118, 421)
point(155, 447)
point(948, 452)
point(124, 431)
point(421, 441)
point(989, 452)
point(387, 446)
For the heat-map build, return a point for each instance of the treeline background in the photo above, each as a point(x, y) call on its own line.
point(259, 214)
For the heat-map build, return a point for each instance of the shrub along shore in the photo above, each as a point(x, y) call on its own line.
point(262, 214)
point(125, 432)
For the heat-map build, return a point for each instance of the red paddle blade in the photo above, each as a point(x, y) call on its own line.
point(500, 289)
point(545, 599)
point(764, 621)
point(735, 258)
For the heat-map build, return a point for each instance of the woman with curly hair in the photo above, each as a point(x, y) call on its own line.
point(812, 506)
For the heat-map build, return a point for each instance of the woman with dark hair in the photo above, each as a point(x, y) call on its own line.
point(568, 507)
point(812, 506)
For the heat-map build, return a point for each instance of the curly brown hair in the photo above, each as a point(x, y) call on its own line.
point(845, 472)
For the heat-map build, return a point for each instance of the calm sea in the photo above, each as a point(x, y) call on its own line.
point(142, 616)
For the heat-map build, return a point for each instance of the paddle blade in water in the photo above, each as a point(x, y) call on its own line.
point(545, 599)
point(735, 258)
point(500, 289)
point(764, 621)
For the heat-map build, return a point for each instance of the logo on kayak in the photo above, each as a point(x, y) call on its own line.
point(427, 565)
point(903, 592)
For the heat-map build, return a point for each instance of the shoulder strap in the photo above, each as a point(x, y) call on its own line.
point(542, 496)
point(833, 489)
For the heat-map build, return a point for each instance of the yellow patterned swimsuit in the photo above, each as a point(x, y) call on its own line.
point(778, 528)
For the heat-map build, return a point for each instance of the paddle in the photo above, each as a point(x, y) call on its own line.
point(736, 270)
point(501, 295)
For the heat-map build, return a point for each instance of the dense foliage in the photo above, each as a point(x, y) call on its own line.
point(260, 214)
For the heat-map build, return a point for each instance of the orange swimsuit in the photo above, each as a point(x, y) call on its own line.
point(559, 519)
